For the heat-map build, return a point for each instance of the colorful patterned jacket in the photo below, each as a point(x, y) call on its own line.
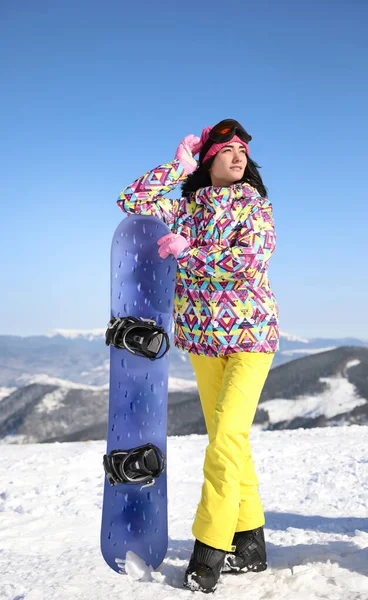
point(223, 300)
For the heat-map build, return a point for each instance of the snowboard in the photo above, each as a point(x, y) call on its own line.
point(134, 518)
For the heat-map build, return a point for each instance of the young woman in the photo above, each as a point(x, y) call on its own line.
point(226, 317)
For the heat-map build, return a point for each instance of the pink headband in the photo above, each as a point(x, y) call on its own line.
point(217, 147)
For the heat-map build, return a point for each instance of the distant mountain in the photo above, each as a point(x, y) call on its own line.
point(82, 356)
point(329, 388)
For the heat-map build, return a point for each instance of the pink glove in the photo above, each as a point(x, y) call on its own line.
point(172, 243)
point(186, 150)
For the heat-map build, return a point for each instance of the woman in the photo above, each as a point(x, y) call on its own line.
point(226, 317)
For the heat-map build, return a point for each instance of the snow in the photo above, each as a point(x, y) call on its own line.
point(52, 401)
point(339, 397)
point(305, 351)
point(103, 369)
point(72, 334)
point(44, 379)
point(314, 488)
point(176, 384)
point(6, 391)
point(293, 338)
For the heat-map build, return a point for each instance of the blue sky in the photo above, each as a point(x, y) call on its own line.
point(95, 94)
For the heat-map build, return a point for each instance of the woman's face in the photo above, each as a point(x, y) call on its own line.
point(229, 165)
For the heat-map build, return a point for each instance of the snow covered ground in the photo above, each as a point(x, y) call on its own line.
point(314, 486)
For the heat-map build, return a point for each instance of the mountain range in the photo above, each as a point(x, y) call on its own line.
point(83, 357)
point(55, 387)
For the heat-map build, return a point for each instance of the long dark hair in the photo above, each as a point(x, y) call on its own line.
point(201, 178)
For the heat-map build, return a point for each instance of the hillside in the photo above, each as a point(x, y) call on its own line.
point(319, 390)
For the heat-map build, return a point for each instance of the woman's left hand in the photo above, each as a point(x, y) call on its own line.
point(172, 243)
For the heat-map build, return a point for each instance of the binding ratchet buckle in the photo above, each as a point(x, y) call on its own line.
point(139, 465)
point(140, 337)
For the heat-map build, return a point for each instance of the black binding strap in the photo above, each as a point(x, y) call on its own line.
point(137, 465)
point(142, 337)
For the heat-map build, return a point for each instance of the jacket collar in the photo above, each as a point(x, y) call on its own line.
point(214, 197)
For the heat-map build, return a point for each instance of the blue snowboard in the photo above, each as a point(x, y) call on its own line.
point(134, 518)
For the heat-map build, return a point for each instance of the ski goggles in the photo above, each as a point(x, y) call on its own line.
point(223, 132)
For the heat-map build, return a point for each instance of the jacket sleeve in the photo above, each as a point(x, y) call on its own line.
point(145, 195)
point(247, 258)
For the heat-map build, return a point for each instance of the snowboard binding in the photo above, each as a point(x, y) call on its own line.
point(140, 337)
point(138, 465)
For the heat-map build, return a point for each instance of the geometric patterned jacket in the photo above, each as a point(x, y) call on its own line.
point(223, 301)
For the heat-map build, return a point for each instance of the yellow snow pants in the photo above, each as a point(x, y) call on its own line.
point(229, 389)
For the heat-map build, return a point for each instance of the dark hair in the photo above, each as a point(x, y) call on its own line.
point(201, 178)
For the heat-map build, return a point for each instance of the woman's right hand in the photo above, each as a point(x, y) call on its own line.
point(186, 150)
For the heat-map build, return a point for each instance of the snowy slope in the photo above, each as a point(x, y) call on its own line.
point(339, 397)
point(314, 486)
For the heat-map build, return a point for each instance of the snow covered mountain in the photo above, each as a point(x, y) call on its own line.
point(313, 485)
point(318, 390)
point(82, 356)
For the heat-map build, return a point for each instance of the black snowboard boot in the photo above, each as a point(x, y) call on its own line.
point(204, 568)
point(250, 553)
